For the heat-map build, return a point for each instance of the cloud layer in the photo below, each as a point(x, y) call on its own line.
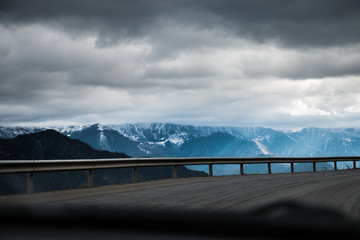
point(282, 64)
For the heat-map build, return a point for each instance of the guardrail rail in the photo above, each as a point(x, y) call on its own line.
point(32, 166)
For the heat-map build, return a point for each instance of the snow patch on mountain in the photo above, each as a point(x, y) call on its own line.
point(178, 139)
point(67, 130)
point(141, 148)
point(263, 148)
point(103, 141)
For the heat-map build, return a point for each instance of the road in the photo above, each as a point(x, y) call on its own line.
point(336, 189)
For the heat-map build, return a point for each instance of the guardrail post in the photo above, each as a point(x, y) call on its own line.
point(335, 166)
point(241, 169)
point(354, 164)
point(90, 178)
point(269, 167)
point(134, 174)
point(174, 171)
point(210, 170)
point(314, 166)
point(30, 182)
point(292, 167)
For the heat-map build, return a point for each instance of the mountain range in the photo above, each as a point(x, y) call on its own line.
point(174, 140)
point(169, 140)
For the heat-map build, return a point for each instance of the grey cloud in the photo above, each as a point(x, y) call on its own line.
point(296, 22)
point(173, 27)
point(109, 19)
point(203, 62)
point(293, 23)
point(305, 64)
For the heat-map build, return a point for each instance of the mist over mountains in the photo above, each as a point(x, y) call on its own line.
point(174, 140)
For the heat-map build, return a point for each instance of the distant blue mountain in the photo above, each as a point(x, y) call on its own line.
point(219, 144)
point(166, 139)
point(327, 142)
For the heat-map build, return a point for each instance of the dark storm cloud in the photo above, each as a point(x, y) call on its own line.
point(109, 19)
point(294, 23)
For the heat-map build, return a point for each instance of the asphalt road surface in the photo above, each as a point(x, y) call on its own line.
point(335, 189)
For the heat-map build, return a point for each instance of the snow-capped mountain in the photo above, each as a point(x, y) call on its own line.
point(161, 140)
point(166, 139)
point(327, 141)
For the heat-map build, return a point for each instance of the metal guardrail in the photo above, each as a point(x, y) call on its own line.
point(32, 166)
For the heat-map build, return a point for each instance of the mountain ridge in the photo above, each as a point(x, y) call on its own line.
point(172, 140)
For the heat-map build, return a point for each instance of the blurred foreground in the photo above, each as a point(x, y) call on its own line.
point(287, 219)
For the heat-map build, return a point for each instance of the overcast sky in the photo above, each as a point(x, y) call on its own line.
point(280, 64)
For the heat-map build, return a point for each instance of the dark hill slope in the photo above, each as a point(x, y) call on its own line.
point(50, 144)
